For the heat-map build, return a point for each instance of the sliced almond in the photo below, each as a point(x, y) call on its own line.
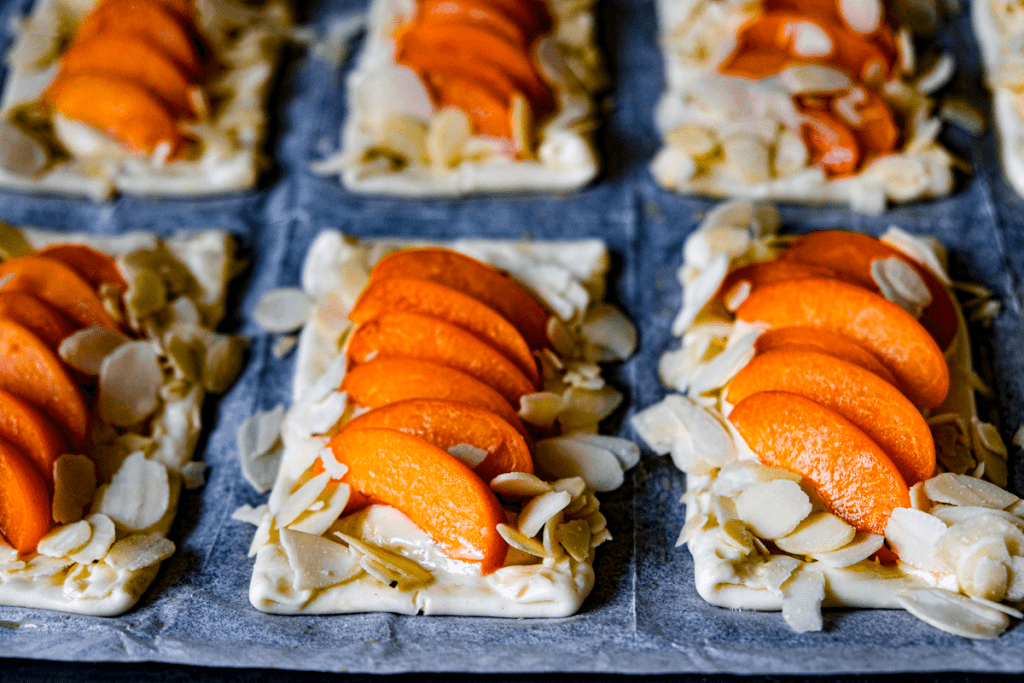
point(821, 532)
point(954, 613)
point(566, 457)
point(85, 349)
point(802, 596)
point(521, 541)
point(519, 485)
point(389, 567)
point(103, 534)
point(860, 548)
point(74, 486)
point(536, 513)
point(65, 540)
point(773, 509)
point(94, 581)
point(574, 536)
point(914, 536)
point(317, 561)
point(130, 381)
point(283, 310)
point(138, 495)
point(958, 489)
point(139, 550)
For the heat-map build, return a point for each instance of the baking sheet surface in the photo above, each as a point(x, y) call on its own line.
point(644, 615)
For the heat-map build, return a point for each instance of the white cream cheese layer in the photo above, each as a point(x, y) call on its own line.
point(245, 41)
point(761, 539)
point(396, 142)
point(728, 136)
point(100, 560)
point(999, 29)
point(312, 558)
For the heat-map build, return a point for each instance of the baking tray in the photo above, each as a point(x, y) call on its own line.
point(644, 615)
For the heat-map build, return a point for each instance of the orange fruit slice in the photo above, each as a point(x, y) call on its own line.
point(883, 328)
point(429, 298)
point(453, 12)
point(388, 380)
point(821, 341)
point(32, 432)
point(469, 276)
point(42, 319)
point(95, 267)
point(29, 369)
point(830, 142)
point(448, 423)
point(410, 335)
point(121, 108)
point(152, 21)
point(758, 274)
point(873, 405)
point(853, 476)
point(852, 253)
point(59, 286)
point(438, 493)
point(134, 59)
point(24, 500)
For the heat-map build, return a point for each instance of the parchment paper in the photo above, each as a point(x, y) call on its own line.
point(644, 615)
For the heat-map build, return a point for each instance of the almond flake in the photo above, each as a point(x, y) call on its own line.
point(520, 541)
point(954, 613)
point(575, 538)
point(862, 547)
point(90, 581)
point(85, 349)
point(541, 408)
point(565, 457)
point(467, 454)
point(447, 134)
point(519, 485)
point(318, 562)
point(103, 534)
point(138, 495)
point(65, 540)
point(389, 567)
point(282, 310)
point(139, 550)
point(300, 499)
point(821, 532)
point(336, 496)
point(250, 514)
point(627, 452)
point(129, 386)
point(802, 596)
point(959, 489)
point(773, 509)
point(536, 513)
point(914, 536)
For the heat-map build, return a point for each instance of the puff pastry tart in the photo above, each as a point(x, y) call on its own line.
point(150, 97)
point(998, 27)
point(441, 455)
point(826, 422)
point(820, 101)
point(452, 97)
point(108, 351)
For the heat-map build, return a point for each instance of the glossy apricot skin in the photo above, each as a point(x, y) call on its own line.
point(45, 321)
point(430, 298)
point(470, 276)
point(438, 493)
point(24, 500)
point(30, 430)
point(853, 253)
point(822, 341)
point(120, 108)
point(59, 286)
point(855, 479)
point(30, 370)
point(873, 405)
point(409, 335)
point(891, 334)
point(388, 380)
point(93, 266)
point(447, 423)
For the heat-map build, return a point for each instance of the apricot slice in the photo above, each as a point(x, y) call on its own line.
point(448, 423)
point(32, 371)
point(853, 476)
point(410, 335)
point(883, 328)
point(483, 99)
point(437, 492)
point(532, 15)
point(429, 298)
point(94, 266)
point(32, 432)
point(822, 341)
point(761, 273)
point(59, 286)
point(134, 59)
point(877, 129)
point(42, 319)
point(122, 109)
point(469, 276)
point(853, 252)
point(24, 500)
point(830, 142)
point(876, 407)
point(426, 45)
point(484, 14)
point(388, 380)
point(150, 20)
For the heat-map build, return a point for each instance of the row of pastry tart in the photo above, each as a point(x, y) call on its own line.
point(823, 102)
